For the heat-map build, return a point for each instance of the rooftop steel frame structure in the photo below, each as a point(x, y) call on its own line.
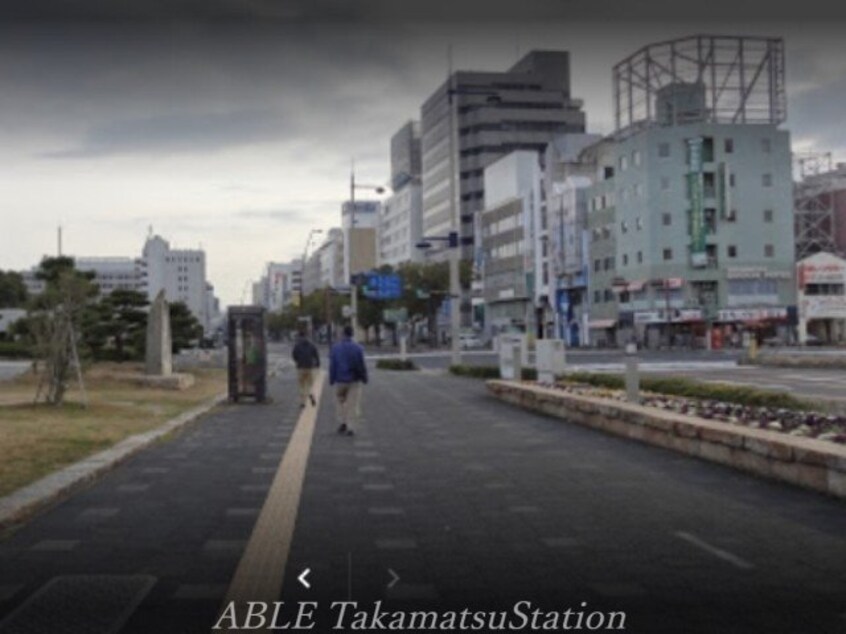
point(813, 204)
point(730, 79)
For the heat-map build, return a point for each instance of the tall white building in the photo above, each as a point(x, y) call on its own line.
point(515, 269)
point(401, 216)
point(181, 273)
point(113, 273)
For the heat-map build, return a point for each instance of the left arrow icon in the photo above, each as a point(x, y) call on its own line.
point(302, 578)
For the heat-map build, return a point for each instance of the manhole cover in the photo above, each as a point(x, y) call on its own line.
point(79, 604)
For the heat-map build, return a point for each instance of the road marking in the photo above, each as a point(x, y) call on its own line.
point(717, 552)
point(261, 571)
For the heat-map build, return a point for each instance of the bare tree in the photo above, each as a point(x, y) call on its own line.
point(55, 320)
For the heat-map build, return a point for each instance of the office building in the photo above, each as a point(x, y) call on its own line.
point(821, 281)
point(691, 219)
point(401, 215)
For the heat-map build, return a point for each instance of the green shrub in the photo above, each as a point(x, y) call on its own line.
point(15, 350)
point(395, 364)
point(489, 372)
point(475, 371)
point(673, 386)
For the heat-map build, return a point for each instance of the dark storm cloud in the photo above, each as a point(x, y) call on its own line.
point(818, 113)
point(393, 10)
point(145, 89)
point(177, 133)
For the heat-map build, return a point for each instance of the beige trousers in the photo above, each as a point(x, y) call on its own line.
point(305, 377)
point(348, 402)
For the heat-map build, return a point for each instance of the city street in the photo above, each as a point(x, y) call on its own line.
point(444, 499)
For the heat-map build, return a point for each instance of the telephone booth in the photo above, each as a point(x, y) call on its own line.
point(247, 348)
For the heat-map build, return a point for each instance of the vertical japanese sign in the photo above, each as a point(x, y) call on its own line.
point(698, 255)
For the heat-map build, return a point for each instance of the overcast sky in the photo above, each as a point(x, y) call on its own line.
point(233, 129)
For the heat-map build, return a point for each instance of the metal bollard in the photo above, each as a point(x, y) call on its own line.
point(632, 380)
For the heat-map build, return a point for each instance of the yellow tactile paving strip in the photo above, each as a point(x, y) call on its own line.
point(262, 567)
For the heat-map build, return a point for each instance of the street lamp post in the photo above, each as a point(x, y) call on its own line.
point(453, 243)
point(311, 234)
point(353, 286)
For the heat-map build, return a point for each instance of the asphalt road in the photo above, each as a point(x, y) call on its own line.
point(444, 499)
point(11, 369)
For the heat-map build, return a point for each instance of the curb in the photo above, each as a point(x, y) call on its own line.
point(805, 462)
point(30, 499)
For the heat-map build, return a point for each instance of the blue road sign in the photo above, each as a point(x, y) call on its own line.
point(380, 286)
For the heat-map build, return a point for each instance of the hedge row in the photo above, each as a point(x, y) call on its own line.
point(741, 395)
point(14, 350)
point(395, 364)
point(488, 372)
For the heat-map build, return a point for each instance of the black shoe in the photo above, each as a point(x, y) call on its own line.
point(342, 429)
point(313, 402)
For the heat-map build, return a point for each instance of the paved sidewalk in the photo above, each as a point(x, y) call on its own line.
point(476, 504)
point(469, 502)
point(166, 529)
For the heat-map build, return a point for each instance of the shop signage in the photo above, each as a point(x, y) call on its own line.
point(755, 272)
point(823, 307)
point(751, 314)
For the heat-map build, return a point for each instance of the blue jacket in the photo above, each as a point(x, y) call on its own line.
point(346, 363)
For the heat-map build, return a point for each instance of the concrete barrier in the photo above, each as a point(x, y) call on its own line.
point(806, 462)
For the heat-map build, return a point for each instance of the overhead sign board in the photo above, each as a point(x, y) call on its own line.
point(382, 286)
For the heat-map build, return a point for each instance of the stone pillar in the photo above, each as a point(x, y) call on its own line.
point(159, 358)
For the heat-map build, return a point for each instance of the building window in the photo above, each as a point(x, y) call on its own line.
point(597, 265)
point(624, 226)
point(732, 251)
point(609, 297)
point(609, 263)
point(728, 146)
point(766, 146)
point(625, 259)
point(769, 251)
point(663, 149)
point(668, 254)
point(665, 183)
point(597, 297)
point(624, 163)
point(638, 223)
point(768, 215)
point(636, 158)
point(640, 257)
point(667, 219)
point(732, 180)
point(767, 180)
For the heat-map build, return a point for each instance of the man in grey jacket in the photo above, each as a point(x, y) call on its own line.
point(307, 361)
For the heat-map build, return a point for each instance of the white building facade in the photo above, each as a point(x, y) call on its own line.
point(821, 281)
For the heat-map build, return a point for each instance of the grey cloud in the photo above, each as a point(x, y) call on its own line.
point(276, 215)
point(406, 10)
point(177, 133)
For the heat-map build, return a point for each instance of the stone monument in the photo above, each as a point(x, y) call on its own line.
point(159, 357)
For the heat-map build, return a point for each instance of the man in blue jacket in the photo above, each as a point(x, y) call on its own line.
point(347, 372)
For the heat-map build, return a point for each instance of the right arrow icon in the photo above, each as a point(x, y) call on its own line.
point(394, 578)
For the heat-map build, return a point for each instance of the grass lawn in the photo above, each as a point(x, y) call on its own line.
point(38, 439)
